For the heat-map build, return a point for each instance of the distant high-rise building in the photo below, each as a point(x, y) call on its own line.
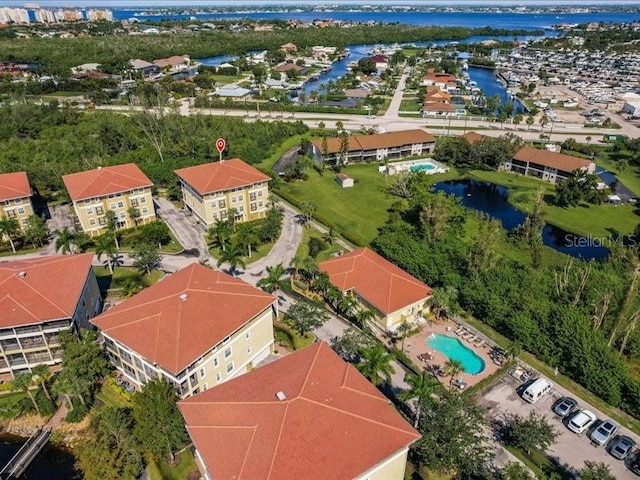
point(68, 15)
point(42, 15)
point(100, 15)
point(14, 15)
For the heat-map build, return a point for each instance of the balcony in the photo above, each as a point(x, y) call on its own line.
point(32, 342)
point(9, 345)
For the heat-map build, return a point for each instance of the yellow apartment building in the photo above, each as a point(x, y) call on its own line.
point(15, 197)
point(40, 298)
point(197, 328)
point(210, 190)
point(117, 188)
point(377, 284)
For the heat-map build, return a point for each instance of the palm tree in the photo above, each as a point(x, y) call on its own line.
point(421, 388)
point(42, 374)
point(105, 245)
point(376, 364)
point(530, 121)
point(321, 283)
point(443, 300)
point(22, 382)
point(65, 240)
point(233, 256)
point(9, 228)
point(309, 267)
point(363, 317)
point(134, 215)
point(452, 368)
point(403, 332)
point(330, 236)
point(274, 279)
point(247, 238)
point(346, 305)
point(517, 119)
point(112, 226)
point(220, 231)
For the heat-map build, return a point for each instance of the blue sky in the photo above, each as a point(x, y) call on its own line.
point(185, 3)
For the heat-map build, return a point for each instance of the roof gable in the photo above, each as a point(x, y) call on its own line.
point(559, 161)
point(381, 283)
point(14, 185)
point(105, 181)
point(215, 176)
point(243, 431)
point(43, 289)
point(180, 318)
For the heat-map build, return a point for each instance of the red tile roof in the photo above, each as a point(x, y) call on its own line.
point(14, 185)
point(43, 289)
point(172, 330)
point(212, 177)
point(333, 424)
point(105, 181)
point(473, 137)
point(378, 140)
point(381, 283)
point(559, 161)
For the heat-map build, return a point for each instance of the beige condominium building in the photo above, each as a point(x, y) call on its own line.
point(377, 284)
point(197, 328)
point(117, 188)
point(212, 189)
point(39, 299)
point(309, 415)
point(15, 197)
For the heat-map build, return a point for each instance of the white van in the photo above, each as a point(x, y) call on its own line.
point(536, 390)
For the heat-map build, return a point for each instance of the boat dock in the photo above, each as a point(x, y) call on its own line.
point(26, 455)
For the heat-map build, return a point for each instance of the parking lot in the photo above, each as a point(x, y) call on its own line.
point(570, 449)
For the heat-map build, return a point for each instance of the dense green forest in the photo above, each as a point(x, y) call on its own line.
point(579, 317)
point(58, 55)
point(48, 141)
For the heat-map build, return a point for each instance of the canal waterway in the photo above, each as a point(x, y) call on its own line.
point(52, 464)
point(493, 200)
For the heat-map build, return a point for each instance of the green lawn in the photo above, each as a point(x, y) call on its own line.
point(355, 212)
point(257, 253)
point(290, 338)
point(121, 274)
point(540, 464)
point(303, 248)
point(410, 105)
point(226, 79)
point(268, 163)
point(129, 237)
point(597, 220)
point(630, 176)
point(162, 470)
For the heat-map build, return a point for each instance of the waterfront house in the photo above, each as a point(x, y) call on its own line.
point(309, 415)
point(289, 48)
point(197, 328)
point(377, 284)
point(376, 147)
point(173, 64)
point(40, 298)
point(232, 91)
point(143, 67)
point(15, 197)
point(118, 188)
point(546, 165)
point(444, 81)
point(210, 190)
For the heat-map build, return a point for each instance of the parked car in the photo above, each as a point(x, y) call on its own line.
point(582, 420)
point(537, 390)
point(565, 406)
point(605, 432)
point(622, 447)
point(634, 465)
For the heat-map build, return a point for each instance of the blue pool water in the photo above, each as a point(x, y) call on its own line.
point(454, 349)
point(423, 167)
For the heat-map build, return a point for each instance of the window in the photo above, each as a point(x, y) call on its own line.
point(241, 209)
point(214, 215)
point(223, 214)
point(102, 221)
point(145, 210)
point(252, 196)
point(214, 204)
point(215, 362)
point(112, 205)
point(227, 352)
point(120, 204)
point(240, 198)
point(202, 373)
point(134, 202)
point(89, 211)
point(143, 200)
point(99, 211)
point(204, 387)
point(11, 213)
point(25, 221)
point(254, 207)
point(249, 350)
point(260, 193)
point(247, 335)
point(218, 377)
point(260, 204)
point(122, 215)
point(222, 204)
point(230, 368)
point(21, 210)
point(226, 340)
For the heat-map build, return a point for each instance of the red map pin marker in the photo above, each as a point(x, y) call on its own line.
point(221, 145)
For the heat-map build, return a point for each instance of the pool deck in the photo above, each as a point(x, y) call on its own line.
point(417, 345)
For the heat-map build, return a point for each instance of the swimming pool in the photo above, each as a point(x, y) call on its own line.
point(454, 349)
point(425, 167)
